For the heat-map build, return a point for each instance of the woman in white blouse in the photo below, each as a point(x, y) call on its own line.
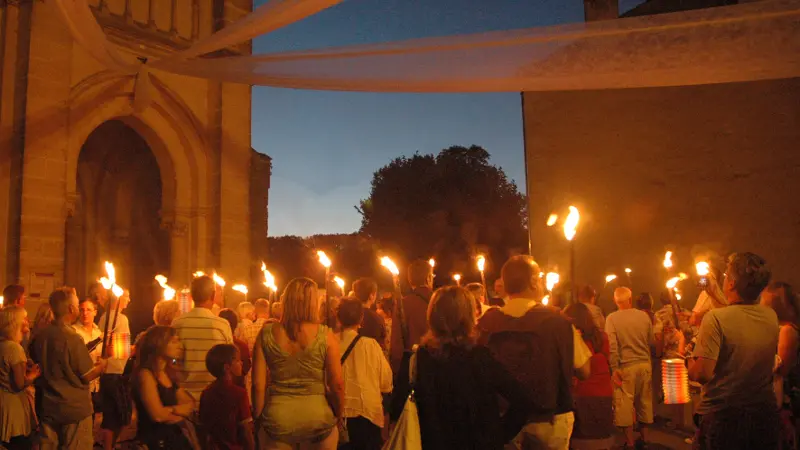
point(366, 376)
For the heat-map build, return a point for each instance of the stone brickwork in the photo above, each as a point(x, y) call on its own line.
point(54, 95)
point(692, 169)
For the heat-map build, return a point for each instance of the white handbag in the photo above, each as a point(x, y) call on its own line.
point(406, 434)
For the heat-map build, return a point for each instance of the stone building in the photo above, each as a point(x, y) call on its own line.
point(85, 176)
point(700, 170)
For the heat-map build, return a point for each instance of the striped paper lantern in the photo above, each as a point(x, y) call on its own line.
point(121, 345)
point(675, 380)
point(184, 301)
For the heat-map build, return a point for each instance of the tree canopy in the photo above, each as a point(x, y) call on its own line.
point(450, 206)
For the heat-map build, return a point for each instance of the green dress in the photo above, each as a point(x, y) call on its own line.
point(296, 409)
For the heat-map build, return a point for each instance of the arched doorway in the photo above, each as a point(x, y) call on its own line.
point(117, 217)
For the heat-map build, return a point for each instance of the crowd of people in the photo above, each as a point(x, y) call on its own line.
point(501, 371)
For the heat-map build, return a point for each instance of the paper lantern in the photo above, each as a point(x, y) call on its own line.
point(184, 301)
point(675, 380)
point(121, 345)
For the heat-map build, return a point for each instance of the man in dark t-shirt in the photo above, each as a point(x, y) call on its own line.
point(538, 346)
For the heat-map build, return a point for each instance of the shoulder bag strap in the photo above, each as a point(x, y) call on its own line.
point(350, 348)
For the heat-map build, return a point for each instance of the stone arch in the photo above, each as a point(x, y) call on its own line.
point(174, 136)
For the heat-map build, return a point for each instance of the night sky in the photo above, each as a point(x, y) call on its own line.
point(325, 146)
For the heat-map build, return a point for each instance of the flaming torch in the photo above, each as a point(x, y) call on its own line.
point(457, 278)
point(169, 293)
point(340, 282)
point(269, 282)
point(552, 219)
point(628, 272)
point(672, 287)
point(109, 282)
point(240, 288)
point(432, 263)
point(392, 268)
point(570, 230)
point(220, 288)
point(610, 278)
point(703, 268)
point(481, 263)
point(198, 274)
point(668, 260)
point(326, 263)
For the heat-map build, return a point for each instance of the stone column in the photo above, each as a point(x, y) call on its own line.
point(181, 264)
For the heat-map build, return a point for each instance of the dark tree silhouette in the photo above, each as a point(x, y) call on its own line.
point(450, 206)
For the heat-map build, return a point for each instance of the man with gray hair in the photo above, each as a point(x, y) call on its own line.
point(734, 361)
point(630, 337)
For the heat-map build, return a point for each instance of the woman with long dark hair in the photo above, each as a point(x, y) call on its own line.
point(161, 404)
point(458, 383)
point(593, 397)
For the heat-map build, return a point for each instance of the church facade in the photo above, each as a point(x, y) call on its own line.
point(87, 174)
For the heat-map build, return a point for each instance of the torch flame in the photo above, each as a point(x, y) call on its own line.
point(105, 282)
point(541, 274)
point(668, 260)
point(571, 224)
point(545, 300)
point(263, 266)
point(610, 278)
point(218, 279)
point(111, 273)
point(198, 274)
point(390, 265)
point(481, 263)
point(552, 219)
point(117, 291)
point(457, 277)
point(432, 263)
point(169, 293)
point(677, 296)
point(551, 280)
point(269, 279)
point(628, 270)
point(340, 282)
point(683, 276)
point(323, 259)
point(673, 282)
point(702, 268)
point(239, 288)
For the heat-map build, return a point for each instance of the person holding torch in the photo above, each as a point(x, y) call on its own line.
point(409, 325)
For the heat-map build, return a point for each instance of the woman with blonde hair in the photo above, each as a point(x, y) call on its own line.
point(165, 312)
point(457, 382)
point(300, 358)
point(17, 419)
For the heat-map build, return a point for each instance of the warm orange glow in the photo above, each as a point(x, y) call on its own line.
point(340, 282)
point(481, 263)
point(117, 291)
point(551, 280)
point(610, 278)
point(105, 282)
point(457, 277)
point(218, 279)
point(263, 266)
point(545, 300)
point(390, 265)
point(240, 288)
point(198, 274)
point(571, 224)
point(552, 219)
point(121, 345)
point(432, 262)
point(269, 279)
point(111, 273)
point(628, 270)
point(323, 259)
point(702, 268)
point(673, 282)
point(2, 300)
point(169, 292)
point(668, 260)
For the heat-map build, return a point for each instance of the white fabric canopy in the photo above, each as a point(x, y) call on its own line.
point(746, 42)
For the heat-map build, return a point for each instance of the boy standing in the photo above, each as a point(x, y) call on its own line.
point(224, 407)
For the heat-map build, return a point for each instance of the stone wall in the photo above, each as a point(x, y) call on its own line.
point(698, 170)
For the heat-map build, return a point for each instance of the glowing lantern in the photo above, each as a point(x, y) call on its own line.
point(121, 345)
point(675, 380)
point(185, 301)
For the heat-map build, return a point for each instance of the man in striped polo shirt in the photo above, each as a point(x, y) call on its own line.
point(199, 330)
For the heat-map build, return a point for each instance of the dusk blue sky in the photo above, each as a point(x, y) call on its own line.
point(325, 146)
